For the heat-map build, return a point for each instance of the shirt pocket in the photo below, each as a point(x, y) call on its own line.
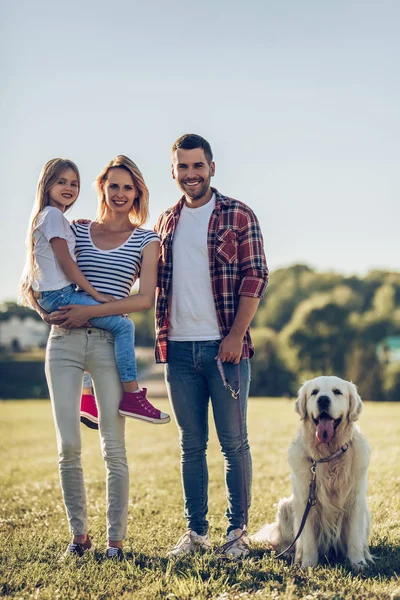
point(226, 246)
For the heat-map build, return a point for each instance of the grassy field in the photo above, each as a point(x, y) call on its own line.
point(34, 532)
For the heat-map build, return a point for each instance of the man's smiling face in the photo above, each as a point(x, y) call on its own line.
point(192, 173)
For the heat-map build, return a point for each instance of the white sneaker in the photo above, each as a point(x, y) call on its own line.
point(240, 544)
point(190, 542)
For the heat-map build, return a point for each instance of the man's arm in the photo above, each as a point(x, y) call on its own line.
point(251, 255)
point(253, 266)
point(230, 349)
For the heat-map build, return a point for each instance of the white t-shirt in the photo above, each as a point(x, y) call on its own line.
point(50, 224)
point(192, 310)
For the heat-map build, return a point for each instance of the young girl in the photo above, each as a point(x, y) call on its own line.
point(51, 277)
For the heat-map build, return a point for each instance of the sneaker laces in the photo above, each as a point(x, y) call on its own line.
point(237, 540)
point(146, 404)
point(183, 541)
point(75, 548)
point(112, 551)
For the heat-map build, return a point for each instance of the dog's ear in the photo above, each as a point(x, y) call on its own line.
point(356, 404)
point(301, 402)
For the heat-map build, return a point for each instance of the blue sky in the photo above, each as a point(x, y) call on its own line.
point(299, 100)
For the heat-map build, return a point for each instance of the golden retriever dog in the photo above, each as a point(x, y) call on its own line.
point(329, 441)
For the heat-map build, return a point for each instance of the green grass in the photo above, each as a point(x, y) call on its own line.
point(34, 532)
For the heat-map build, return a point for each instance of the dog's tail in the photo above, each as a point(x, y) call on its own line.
point(278, 535)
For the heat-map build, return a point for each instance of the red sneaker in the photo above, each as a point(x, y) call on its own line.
point(89, 413)
point(137, 406)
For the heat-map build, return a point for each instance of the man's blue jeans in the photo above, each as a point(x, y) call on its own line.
point(121, 327)
point(193, 378)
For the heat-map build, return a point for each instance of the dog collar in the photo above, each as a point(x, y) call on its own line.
point(339, 452)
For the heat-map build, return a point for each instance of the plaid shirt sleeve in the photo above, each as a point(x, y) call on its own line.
point(163, 282)
point(253, 264)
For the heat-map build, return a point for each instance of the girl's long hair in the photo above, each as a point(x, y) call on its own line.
point(51, 172)
point(139, 212)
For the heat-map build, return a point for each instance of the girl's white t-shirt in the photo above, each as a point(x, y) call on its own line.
point(50, 224)
point(192, 315)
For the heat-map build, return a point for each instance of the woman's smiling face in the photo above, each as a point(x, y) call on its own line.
point(119, 190)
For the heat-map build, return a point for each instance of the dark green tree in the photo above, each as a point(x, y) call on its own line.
point(270, 375)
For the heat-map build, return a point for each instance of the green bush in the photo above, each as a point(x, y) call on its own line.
point(22, 379)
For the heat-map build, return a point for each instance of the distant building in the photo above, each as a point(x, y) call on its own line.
point(389, 349)
point(17, 334)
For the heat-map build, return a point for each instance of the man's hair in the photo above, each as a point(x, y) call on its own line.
point(192, 140)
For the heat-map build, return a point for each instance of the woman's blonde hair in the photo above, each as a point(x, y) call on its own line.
point(139, 212)
point(49, 175)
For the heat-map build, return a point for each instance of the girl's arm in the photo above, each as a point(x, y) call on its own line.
point(73, 272)
point(76, 316)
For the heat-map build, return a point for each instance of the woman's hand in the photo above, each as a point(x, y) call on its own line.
point(81, 221)
point(70, 316)
point(51, 318)
point(104, 298)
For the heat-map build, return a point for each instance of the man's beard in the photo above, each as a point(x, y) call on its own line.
point(204, 187)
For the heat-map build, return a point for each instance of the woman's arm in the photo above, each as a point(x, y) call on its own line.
point(73, 272)
point(76, 316)
point(46, 317)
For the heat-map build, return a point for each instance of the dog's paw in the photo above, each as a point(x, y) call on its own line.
point(269, 535)
point(309, 561)
point(358, 563)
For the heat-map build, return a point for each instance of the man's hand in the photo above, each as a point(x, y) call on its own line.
point(230, 349)
point(70, 316)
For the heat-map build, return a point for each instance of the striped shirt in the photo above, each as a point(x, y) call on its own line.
point(236, 261)
point(111, 271)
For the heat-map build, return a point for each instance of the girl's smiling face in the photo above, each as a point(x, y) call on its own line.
point(65, 191)
point(119, 191)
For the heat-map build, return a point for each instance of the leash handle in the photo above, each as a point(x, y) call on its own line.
point(234, 393)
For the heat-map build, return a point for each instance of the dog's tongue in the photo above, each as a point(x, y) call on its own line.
point(325, 431)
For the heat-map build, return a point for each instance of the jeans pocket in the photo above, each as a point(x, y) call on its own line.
point(47, 304)
point(58, 333)
point(52, 301)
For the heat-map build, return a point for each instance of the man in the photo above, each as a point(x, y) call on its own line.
point(212, 274)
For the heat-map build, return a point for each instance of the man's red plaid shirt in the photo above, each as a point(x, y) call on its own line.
point(237, 265)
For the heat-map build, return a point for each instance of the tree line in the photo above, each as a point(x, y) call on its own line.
point(312, 323)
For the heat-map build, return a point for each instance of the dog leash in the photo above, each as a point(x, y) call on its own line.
point(312, 492)
point(235, 393)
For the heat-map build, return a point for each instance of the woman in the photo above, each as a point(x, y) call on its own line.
point(111, 252)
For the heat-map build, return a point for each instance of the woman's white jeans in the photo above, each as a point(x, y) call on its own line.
point(69, 353)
